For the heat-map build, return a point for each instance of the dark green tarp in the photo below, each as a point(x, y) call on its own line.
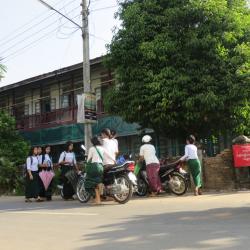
point(75, 132)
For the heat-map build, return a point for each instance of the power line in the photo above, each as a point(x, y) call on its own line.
point(30, 28)
point(30, 36)
point(14, 54)
point(104, 8)
point(33, 19)
point(31, 44)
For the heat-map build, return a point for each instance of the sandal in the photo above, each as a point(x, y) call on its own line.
point(199, 191)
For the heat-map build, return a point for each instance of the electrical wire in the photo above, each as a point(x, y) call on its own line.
point(104, 8)
point(4, 41)
point(29, 36)
point(31, 43)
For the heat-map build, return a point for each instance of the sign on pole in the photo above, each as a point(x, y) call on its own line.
point(86, 112)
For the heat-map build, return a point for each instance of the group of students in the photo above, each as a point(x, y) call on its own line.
point(101, 156)
point(103, 153)
point(36, 162)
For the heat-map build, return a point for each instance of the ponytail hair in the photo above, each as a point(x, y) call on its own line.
point(191, 139)
point(106, 131)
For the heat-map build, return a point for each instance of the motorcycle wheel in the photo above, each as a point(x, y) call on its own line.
point(82, 195)
point(124, 198)
point(142, 187)
point(178, 184)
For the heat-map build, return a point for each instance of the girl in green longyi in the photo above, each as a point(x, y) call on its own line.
point(193, 162)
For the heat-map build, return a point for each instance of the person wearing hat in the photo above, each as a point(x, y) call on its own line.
point(148, 154)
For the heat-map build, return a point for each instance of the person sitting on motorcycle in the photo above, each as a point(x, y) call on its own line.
point(110, 149)
point(148, 154)
point(113, 137)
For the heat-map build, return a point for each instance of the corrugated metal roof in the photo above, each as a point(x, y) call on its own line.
point(50, 74)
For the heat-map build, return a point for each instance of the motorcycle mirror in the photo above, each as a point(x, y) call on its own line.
point(83, 147)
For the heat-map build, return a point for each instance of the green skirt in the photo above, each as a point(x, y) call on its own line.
point(94, 176)
point(195, 170)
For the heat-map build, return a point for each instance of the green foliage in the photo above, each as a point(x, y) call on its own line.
point(13, 152)
point(2, 70)
point(183, 66)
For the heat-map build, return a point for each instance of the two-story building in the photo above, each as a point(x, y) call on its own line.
point(45, 107)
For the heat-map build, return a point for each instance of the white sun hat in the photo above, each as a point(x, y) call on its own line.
point(146, 138)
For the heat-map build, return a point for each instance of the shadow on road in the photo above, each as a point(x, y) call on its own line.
point(214, 229)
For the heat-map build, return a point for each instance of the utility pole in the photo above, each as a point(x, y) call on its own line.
point(86, 68)
point(86, 64)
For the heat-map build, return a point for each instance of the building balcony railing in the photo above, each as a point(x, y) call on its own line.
point(51, 119)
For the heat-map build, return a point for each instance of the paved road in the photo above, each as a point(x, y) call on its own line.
point(212, 221)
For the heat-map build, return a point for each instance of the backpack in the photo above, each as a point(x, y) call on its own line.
point(64, 152)
point(43, 158)
point(31, 161)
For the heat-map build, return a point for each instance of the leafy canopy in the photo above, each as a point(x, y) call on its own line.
point(13, 151)
point(182, 66)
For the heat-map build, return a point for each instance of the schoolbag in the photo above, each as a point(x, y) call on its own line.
point(31, 161)
point(43, 158)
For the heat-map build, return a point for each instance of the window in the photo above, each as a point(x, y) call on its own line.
point(45, 104)
point(26, 109)
point(53, 104)
point(65, 101)
point(37, 108)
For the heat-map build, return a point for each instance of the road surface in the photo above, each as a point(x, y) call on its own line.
point(212, 221)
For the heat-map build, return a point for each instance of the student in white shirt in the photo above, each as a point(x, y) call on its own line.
point(193, 162)
point(67, 161)
point(95, 169)
point(32, 177)
point(110, 149)
point(148, 154)
point(46, 165)
point(113, 137)
point(39, 156)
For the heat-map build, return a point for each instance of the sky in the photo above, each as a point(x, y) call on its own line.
point(35, 40)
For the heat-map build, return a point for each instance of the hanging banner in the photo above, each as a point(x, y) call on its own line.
point(86, 112)
point(241, 155)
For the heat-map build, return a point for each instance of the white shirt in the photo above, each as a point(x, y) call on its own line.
point(48, 160)
point(149, 154)
point(117, 144)
point(110, 151)
point(32, 165)
point(69, 157)
point(190, 152)
point(94, 156)
point(40, 159)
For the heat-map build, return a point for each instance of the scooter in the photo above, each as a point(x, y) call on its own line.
point(119, 183)
point(172, 177)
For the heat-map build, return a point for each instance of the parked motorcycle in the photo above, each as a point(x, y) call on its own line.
point(72, 177)
point(172, 177)
point(118, 183)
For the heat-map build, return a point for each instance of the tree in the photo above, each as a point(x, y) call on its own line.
point(182, 66)
point(13, 151)
point(2, 70)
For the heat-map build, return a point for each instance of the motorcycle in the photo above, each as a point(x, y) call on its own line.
point(172, 177)
point(72, 177)
point(119, 183)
